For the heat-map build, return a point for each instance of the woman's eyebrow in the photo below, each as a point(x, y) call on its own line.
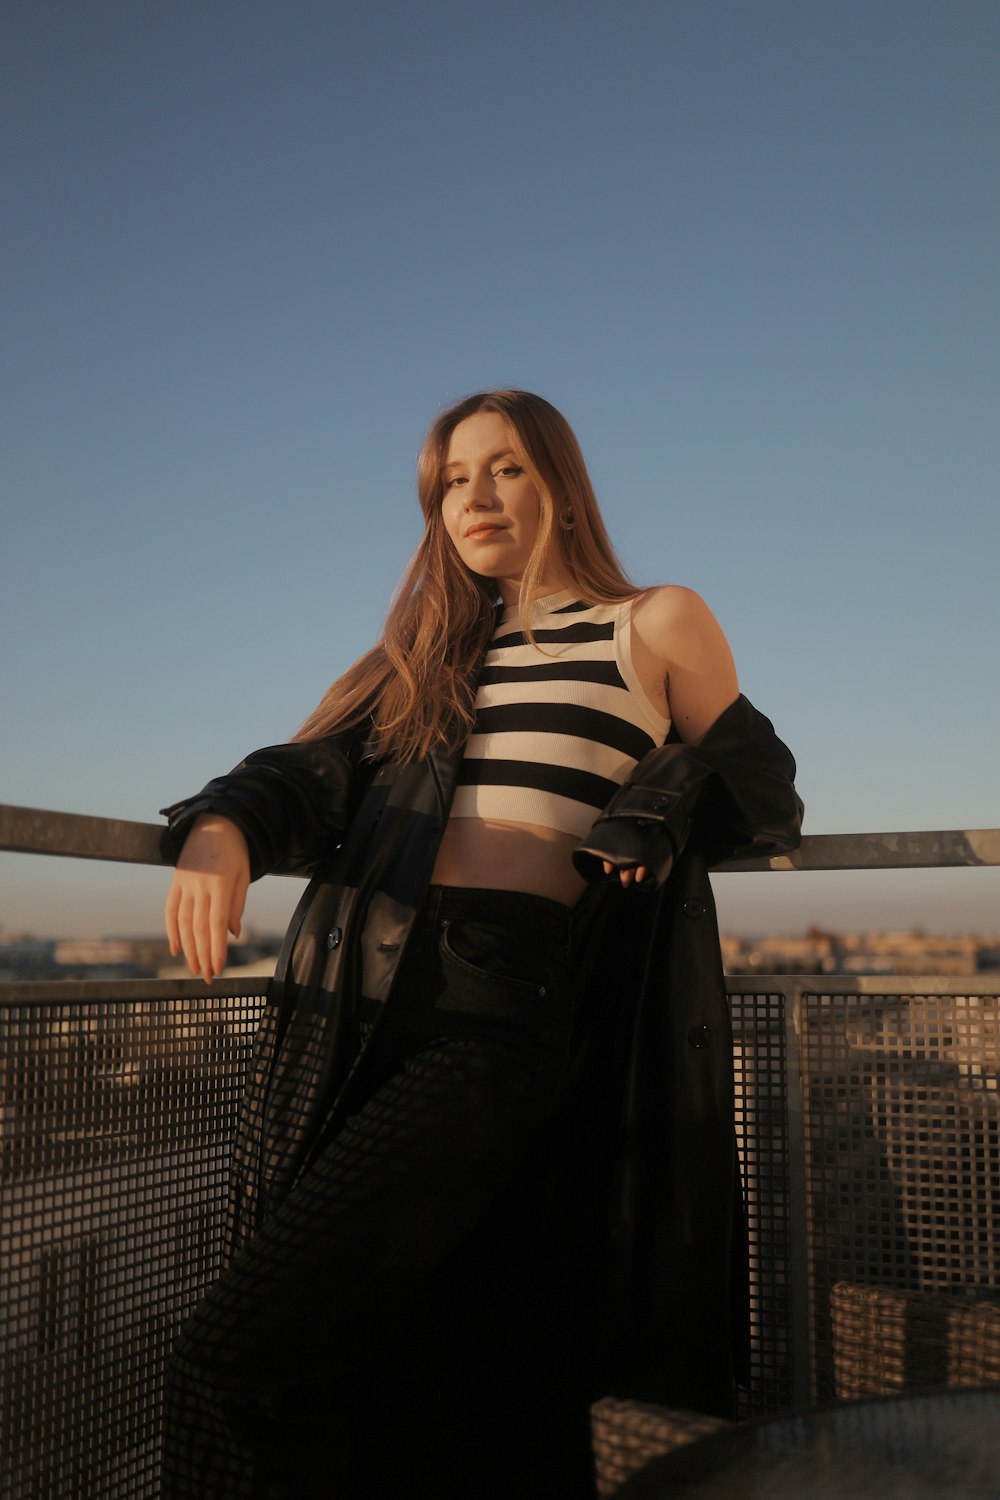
point(493, 458)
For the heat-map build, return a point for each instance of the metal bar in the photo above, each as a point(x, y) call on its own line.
point(883, 851)
point(122, 991)
point(865, 984)
point(798, 1208)
point(116, 991)
point(32, 830)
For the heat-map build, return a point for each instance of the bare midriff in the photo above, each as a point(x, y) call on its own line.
point(509, 857)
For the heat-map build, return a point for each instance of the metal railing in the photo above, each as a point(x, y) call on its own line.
point(32, 830)
point(869, 1124)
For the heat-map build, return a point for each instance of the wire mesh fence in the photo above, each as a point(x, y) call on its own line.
point(117, 1118)
point(869, 1129)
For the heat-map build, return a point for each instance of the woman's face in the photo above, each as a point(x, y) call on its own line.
point(491, 508)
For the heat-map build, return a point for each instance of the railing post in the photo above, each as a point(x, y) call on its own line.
point(803, 1379)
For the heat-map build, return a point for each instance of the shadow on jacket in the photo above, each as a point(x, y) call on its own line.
point(617, 1262)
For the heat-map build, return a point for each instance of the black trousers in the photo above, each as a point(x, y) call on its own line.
point(359, 1345)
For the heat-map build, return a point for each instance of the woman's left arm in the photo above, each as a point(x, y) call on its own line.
point(684, 661)
point(678, 642)
point(727, 782)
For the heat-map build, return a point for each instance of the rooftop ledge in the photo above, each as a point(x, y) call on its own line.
point(33, 830)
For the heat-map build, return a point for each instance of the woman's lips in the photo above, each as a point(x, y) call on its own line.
point(483, 533)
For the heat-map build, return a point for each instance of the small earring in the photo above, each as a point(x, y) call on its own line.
point(566, 520)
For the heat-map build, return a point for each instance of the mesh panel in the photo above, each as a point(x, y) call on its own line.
point(902, 1128)
point(117, 1120)
point(760, 1063)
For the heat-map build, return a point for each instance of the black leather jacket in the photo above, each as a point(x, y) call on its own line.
point(638, 1181)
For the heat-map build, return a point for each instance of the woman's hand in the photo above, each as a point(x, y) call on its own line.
point(630, 873)
point(205, 901)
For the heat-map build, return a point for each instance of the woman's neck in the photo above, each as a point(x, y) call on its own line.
point(553, 582)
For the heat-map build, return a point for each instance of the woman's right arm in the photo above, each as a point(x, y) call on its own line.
point(206, 896)
point(282, 808)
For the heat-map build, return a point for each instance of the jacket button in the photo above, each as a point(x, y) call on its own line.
point(693, 907)
point(700, 1036)
point(333, 938)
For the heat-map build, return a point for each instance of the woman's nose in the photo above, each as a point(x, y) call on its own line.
point(481, 494)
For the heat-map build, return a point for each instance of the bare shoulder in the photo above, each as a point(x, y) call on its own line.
point(669, 606)
point(675, 627)
point(671, 619)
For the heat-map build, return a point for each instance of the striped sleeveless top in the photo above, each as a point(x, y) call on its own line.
point(559, 725)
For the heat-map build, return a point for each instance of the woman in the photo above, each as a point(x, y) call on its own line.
point(486, 1168)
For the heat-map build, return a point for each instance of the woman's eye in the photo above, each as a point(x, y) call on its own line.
point(510, 471)
point(455, 479)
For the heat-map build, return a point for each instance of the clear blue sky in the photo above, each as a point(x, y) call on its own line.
point(750, 247)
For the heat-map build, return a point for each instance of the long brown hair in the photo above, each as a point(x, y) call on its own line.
point(417, 682)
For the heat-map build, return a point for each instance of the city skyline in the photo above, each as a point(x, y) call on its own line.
point(817, 951)
point(126, 900)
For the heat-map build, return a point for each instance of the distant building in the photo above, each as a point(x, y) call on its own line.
point(819, 952)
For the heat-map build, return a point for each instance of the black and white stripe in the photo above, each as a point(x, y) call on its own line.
point(559, 723)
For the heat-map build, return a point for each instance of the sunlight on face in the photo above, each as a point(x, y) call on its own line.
point(491, 507)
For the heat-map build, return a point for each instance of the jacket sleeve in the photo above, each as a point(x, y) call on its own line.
point(289, 801)
point(730, 795)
